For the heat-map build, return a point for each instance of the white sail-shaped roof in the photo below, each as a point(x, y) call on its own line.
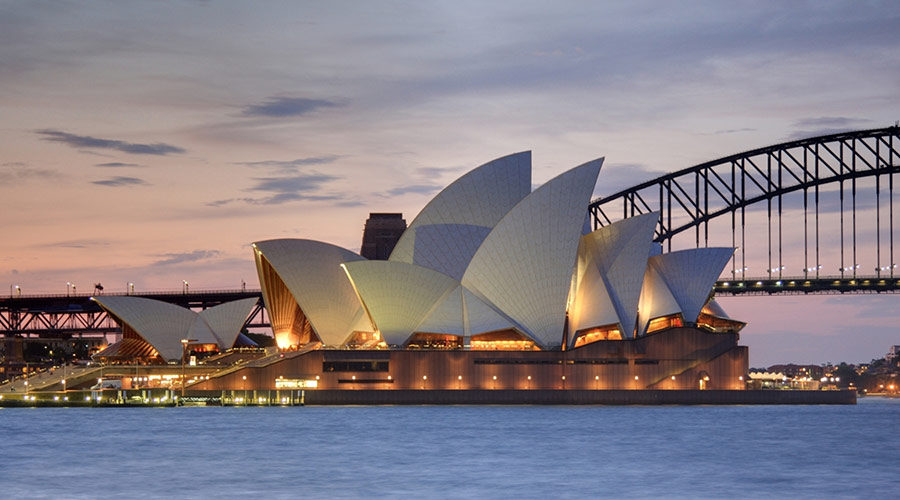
point(594, 306)
point(713, 308)
point(161, 324)
point(656, 299)
point(524, 266)
point(398, 296)
point(448, 248)
point(461, 313)
point(620, 252)
point(482, 318)
point(164, 325)
point(447, 316)
point(690, 275)
point(470, 207)
point(312, 272)
point(226, 320)
point(591, 304)
point(201, 333)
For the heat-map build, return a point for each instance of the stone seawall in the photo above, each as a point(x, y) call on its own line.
point(575, 397)
point(113, 398)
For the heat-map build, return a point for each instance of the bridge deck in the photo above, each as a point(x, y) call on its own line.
point(801, 285)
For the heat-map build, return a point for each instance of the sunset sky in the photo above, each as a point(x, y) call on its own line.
point(153, 142)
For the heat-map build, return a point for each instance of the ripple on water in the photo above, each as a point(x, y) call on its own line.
point(452, 452)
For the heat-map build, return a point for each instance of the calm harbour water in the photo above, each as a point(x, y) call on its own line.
point(452, 452)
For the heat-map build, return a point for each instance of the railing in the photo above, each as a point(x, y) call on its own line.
point(150, 293)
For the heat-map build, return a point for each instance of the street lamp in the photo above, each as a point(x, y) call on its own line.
point(130, 288)
point(184, 287)
point(184, 345)
point(68, 285)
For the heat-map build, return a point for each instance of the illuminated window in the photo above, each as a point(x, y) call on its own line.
point(366, 340)
point(718, 324)
point(434, 341)
point(502, 340)
point(591, 335)
point(671, 321)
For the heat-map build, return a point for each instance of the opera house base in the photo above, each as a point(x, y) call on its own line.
point(679, 365)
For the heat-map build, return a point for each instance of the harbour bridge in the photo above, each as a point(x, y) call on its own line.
point(810, 216)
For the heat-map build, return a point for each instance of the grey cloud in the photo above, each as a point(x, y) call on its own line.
point(180, 258)
point(682, 47)
point(116, 164)
point(415, 189)
point(829, 121)
point(300, 183)
point(430, 172)
point(18, 171)
point(222, 203)
point(825, 125)
point(281, 107)
point(350, 204)
point(286, 197)
point(734, 131)
point(119, 181)
point(299, 187)
point(84, 141)
point(292, 164)
point(75, 244)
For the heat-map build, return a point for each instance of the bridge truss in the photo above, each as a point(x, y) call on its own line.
point(826, 204)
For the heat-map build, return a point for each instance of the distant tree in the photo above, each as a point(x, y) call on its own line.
point(847, 374)
point(261, 340)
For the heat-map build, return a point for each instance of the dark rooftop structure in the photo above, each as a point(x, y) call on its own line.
point(381, 233)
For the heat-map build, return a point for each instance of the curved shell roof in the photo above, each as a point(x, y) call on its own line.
point(398, 296)
point(469, 207)
point(591, 304)
point(713, 308)
point(482, 318)
point(161, 324)
point(226, 320)
point(447, 317)
point(461, 313)
point(620, 251)
point(312, 272)
point(690, 275)
point(448, 248)
point(524, 266)
point(656, 300)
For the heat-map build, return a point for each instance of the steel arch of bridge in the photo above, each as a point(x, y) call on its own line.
point(692, 197)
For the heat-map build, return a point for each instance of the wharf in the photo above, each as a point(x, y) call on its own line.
point(324, 397)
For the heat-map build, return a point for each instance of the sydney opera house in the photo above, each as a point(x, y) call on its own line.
point(492, 286)
point(153, 330)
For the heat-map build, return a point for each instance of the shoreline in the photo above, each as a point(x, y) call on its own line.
point(437, 397)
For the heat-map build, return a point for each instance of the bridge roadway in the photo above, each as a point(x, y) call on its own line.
point(799, 285)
